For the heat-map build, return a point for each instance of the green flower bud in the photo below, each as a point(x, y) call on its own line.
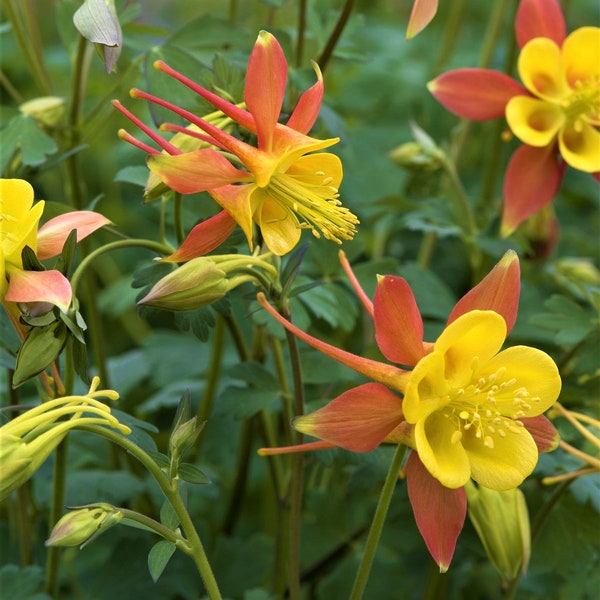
point(502, 523)
point(79, 526)
point(47, 110)
point(414, 157)
point(199, 282)
point(185, 436)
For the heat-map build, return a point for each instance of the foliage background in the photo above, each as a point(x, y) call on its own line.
point(375, 86)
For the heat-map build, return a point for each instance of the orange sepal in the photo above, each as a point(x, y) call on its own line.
point(498, 291)
point(478, 94)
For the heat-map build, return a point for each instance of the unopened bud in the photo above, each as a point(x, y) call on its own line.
point(502, 523)
point(199, 282)
point(79, 526)
point(46, 110)
point(195, 284)
point(412, 156)
point(185, 436)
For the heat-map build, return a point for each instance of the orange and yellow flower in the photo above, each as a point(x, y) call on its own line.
point(468, 409)
point(284, 184)
point(556, 114)
point(19, 219)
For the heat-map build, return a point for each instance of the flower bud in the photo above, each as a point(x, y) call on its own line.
point(414, 157)
point(79, 526)
point(199, 282)
point(185, 436)
point(502, 523)
point(46, 110)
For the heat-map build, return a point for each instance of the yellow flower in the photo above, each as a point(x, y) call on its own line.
point(467, 402)
point(565, 102)
point(18, 225)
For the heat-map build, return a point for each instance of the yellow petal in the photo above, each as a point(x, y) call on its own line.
point(535, 376)
point(446, 461)
point(468, 343)
point(427, 388)
point(19, 220)
point(278, 225)
point(540, 69)
point(579, 145)
point(535, 122)
point(581, 52)
point(505, 465)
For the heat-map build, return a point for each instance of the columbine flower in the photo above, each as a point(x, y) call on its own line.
point(421, 15)
point(469, 410)
point(283, 186)
point(555, 115)
point(19, 219)
point(27, 440)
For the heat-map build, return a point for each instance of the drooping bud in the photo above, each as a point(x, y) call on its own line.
point(80, 526)
point(202, 281)
point(47, 110)
point(502, 523)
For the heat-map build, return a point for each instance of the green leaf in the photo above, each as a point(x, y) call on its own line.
point(243, 403)
point(24, 134)
point(158, 557)
point(162, 460)
point(134, 175)
point(333, 304)
point(22, 583)
point(40, 348)
point(192, 474)
point(571, 322)
point(168, 517)
point(254, 374)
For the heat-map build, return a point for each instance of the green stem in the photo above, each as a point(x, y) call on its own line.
point(301, 33)
point(451, 34)
point(197, 551)
point(334, 38)
point(286, 395)
point(56, 508)
point(485, 58)
point(362, 575)
point(462, 204)
point(104, 102)
point(427, 248)
point(178, 218)
point(35, 66)
point(241, 477)
point(159, 528)
point(212, 373)
point(297, 475)
point(130, 243)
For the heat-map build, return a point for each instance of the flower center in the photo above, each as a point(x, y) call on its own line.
point(314, 203)
point(583, 102)
point(489, 407)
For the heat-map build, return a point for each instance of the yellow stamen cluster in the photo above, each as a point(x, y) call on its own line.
point(584, 101)
point(316, 204)
point(474, 408)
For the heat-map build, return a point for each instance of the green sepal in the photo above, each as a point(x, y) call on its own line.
point(41, 347)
